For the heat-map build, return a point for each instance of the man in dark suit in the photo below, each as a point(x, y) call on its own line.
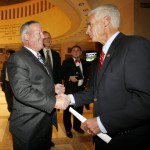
point(33, 87)
point(5, 83)
point(75, 76)
point(121, 86)
point(54, 57)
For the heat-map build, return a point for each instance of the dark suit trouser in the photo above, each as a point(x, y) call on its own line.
point(40, 143)
point(9, 96)
point(67, 119)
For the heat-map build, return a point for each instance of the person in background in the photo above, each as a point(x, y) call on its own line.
point(121, 86)
point(34, 93)
point(52, 59)
point(5, 83)
point(50, 55)
point(74, 74)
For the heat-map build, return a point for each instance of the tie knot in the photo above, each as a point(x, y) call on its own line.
point(77, 60)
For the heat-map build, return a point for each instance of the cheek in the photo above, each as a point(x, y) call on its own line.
point(98, 32)
point(95, 33)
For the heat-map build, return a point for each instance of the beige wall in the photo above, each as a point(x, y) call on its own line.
point(127, 17)
point(142, 19)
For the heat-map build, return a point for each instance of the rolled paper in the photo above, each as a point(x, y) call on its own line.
point(103, 136)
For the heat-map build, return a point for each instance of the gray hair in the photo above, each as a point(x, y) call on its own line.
point(107, 10)
point(25, 28)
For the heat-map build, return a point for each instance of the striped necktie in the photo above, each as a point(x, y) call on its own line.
point(101, 59)
point(42, 61)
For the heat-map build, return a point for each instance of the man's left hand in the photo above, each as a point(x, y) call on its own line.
point(91, 126)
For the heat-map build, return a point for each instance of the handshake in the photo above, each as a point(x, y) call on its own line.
point(62, 100)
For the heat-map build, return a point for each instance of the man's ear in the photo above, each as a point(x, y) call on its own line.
point(26, 37)
point(106, 20)
point(80, 52)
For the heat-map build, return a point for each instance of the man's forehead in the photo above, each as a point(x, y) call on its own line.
point(35, 26)
point(76, 49)
point(47, 35)
point(90, 18)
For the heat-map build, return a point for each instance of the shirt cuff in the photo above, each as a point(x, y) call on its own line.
point(80, 82)
point(102, 128)
point(71, 99)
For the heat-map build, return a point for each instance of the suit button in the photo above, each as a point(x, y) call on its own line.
point(95, 99)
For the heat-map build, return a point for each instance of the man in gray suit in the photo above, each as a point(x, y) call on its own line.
point(34, 92)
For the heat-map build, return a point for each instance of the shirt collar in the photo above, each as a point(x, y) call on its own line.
point(105, 48)
point(32, 51)
point(46, 49)
point(75, 58)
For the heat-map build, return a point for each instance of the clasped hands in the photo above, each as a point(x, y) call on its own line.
point(62, 100)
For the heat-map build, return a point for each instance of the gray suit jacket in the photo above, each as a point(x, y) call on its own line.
point(34, 95)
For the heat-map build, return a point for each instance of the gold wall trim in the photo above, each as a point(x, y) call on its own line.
point(25, 9)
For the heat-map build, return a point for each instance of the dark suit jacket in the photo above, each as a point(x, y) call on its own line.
point(34, 95)
point(121, 91)
point(69, 69)
point(56, 65)
point(3, 76)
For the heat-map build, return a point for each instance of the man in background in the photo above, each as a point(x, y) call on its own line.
point(5, 83)
point(51, 57)
point(74, 74)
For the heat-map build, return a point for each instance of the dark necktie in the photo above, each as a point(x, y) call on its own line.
point(101, 59)
point(48, 60)
point(42, 61)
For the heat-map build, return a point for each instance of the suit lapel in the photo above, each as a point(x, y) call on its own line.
point(96, 73)
point(109, 56)
point(73, 63)
point(27, 52)
point(42, 53)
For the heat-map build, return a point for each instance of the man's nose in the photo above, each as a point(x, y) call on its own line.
point(87, 31)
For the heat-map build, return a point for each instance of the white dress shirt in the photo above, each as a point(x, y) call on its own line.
point(50, 54)
point(80, 82)
point(32, 51)
point(6, 78)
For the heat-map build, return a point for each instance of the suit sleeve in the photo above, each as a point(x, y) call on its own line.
point(87, 96)
point(3, 72)
point(83, 98)
point(23, 89)
point(136, 112)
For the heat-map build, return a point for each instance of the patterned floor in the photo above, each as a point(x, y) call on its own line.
point(79, 142)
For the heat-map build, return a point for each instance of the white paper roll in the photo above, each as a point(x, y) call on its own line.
point(103, 136)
